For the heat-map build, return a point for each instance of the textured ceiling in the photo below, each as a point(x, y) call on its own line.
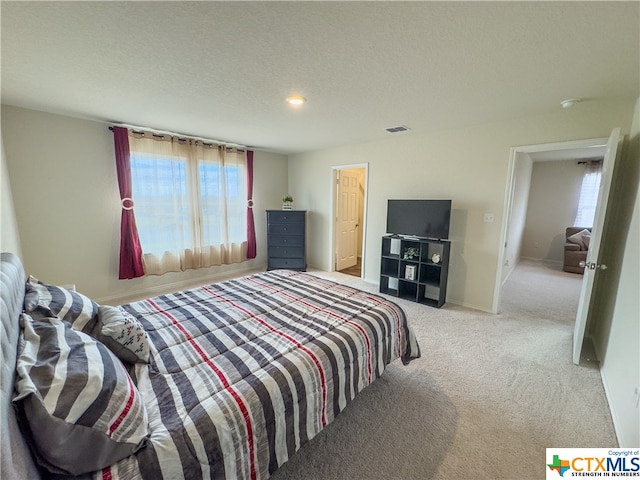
point(222, 70)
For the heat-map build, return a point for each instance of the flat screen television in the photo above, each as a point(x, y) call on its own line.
point(419, 218)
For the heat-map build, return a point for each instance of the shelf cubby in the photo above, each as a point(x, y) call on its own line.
point(425, 281)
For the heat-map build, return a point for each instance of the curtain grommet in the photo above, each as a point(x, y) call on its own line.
point(127, 203)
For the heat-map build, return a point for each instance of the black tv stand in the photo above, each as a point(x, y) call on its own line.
point(421, 277)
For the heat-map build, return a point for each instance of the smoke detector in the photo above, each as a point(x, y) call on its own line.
point(400, 128)
point(570, 102)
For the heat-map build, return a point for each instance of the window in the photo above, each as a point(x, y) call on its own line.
point(190, 202)
point(589, 194)
point(162, 214)
point(223, 190)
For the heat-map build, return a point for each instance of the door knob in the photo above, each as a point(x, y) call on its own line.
point(592, 265)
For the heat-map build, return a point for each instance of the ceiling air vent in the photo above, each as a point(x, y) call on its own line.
point(401, 128)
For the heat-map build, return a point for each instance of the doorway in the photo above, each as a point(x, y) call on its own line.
point(516, 202)
point(349, 212)
point(593, 263)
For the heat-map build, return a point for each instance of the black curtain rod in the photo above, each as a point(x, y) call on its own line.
point(204, 141)
point(583, 162)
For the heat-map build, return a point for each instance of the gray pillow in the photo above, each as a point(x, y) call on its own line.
point(81, 407)
point(43, 300)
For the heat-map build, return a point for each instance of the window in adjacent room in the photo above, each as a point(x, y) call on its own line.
point(190, 202)
point(589, 194)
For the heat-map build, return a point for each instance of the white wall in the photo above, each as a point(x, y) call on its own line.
point(467, 165)
point(9, 235)
point(616, 313)
point(620, 366)
point(67, 205)
point(523, 165)
point(552, 207)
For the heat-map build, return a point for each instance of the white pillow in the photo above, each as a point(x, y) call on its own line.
point(578, 239)
point(123, 334)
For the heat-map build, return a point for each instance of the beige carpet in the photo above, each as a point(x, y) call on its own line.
point(489, 394)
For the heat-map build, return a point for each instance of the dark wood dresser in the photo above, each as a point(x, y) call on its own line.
point(286, 239)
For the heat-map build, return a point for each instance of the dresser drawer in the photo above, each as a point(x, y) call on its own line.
point(285, 241)
point(286, 252)
point(286, 228)
point(291, 263)
point(285, 216)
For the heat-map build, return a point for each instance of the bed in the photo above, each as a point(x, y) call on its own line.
point(227, 380)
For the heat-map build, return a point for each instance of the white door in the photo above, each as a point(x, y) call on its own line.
point(592, 267)
point(347, 219)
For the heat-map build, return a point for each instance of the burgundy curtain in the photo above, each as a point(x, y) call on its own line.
point(130, 249)
point(251, 229)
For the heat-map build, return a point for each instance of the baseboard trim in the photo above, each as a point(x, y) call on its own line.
point(546, 261)
point(508, 275)
point(147, 292)
point(617, 428)
point(470, 305)
point(614, 418)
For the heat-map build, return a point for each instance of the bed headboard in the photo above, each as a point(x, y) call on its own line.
point(16, 459)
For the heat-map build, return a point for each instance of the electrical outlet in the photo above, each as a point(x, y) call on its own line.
point(489, 218)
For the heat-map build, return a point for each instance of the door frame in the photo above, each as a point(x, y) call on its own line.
point(514, 154)
point(334, 209)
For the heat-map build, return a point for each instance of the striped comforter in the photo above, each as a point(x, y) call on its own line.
point(245, 371)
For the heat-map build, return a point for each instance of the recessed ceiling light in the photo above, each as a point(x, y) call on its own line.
point(296, 100)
